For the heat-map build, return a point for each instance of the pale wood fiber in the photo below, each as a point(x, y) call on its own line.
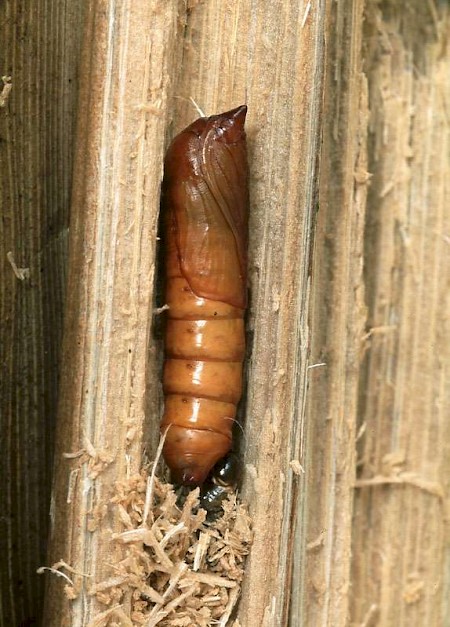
point(337, 322)
point(119, 153)
point(400, 549)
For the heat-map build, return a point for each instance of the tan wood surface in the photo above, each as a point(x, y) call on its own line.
point(346, 414)
point(115, 202)
point(400, 529)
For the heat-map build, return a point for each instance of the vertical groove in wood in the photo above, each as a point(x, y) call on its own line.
point(400, 573)
point(337, 320)
point(36, 133)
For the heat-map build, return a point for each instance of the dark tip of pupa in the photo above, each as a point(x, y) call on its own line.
point(232, 123)
point(238, 114)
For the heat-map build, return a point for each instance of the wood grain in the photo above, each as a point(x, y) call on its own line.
point(118, 169)
point(400, 571)
point(346, 414)
point(322, 584)
point(40, 44)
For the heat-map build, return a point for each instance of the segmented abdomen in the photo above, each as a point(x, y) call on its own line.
point(202, 381)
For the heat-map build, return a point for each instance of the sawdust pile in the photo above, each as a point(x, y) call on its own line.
point(178, 568)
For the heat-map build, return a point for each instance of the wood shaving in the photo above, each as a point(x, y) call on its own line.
point(4, 95)
point(178, 568)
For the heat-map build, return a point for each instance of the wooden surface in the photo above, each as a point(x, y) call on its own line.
point(400, 545)
point(346, 415)
point(109, 307)
point(321, 584)
point(40, 42)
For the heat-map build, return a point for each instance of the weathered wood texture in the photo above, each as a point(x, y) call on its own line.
point(321, 584)
point(348, 132)
point(400, 546)
point(120, 141)
point(39, 50)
